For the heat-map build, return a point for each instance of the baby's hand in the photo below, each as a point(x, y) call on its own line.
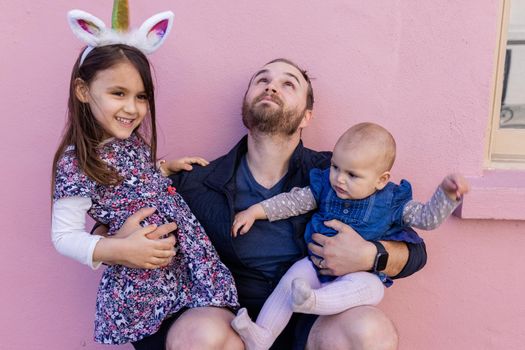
point(242, 222)
point(455, 186)
point(174, 166)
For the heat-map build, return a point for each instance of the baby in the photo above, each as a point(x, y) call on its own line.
point(355, 190)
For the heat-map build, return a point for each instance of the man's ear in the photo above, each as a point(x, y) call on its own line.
point(81, 90)
point(382, 180)
point(308, 116)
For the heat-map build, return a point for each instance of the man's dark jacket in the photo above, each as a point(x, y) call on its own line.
point(210, 193)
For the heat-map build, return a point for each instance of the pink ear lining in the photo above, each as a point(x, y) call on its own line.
point(159, 29)
point(88, 26)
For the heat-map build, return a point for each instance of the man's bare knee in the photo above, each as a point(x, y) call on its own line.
point(203, 328)
point(374, 330)
point(363, 327)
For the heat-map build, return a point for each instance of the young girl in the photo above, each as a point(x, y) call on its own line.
point(105, 167)
point(355, 190)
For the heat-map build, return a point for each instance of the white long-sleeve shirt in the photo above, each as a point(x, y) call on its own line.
point(68, 230)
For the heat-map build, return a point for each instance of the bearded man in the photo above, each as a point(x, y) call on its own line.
point(272, 159)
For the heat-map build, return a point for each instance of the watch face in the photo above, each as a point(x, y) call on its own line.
point(381, 257)
point(381, 261)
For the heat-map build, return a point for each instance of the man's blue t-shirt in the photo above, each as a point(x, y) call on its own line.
point(267, 246)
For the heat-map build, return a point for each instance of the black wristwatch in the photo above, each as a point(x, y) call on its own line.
point(381, 257)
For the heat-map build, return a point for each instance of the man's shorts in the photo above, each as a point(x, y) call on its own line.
point(293, 337)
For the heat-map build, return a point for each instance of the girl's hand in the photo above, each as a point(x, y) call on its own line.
point(455, 186)
point(145, 249)
point(168, 167)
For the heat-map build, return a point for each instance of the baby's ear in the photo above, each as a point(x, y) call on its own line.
point(154, 31)
point(86, 27)
point(382, 181)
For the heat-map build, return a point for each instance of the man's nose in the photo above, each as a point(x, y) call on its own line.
point(271, 88)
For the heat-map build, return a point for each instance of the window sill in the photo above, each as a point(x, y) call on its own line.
point(497, 194)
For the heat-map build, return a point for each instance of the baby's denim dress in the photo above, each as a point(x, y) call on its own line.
point(377, 217)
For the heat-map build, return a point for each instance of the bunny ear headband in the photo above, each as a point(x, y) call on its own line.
point(92, 30)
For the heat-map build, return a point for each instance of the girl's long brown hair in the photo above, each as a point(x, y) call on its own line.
point(82, 129)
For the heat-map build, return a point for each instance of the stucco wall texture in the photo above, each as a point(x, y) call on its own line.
point(423, 69)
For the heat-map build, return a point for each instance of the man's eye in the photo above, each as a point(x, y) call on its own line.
point(289, 84)
point(262, 80)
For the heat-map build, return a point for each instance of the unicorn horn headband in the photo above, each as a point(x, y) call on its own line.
point(92, 30)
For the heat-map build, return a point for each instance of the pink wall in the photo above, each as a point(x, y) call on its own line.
point(421, 68)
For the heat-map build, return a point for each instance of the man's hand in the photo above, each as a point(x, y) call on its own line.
point(244, 220)
point(348, 252)
point(343, 253)
point(132, 224)
point(169, 167)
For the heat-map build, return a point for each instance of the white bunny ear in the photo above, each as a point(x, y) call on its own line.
point(86, 27)
point(148, 38)
point(153, 31)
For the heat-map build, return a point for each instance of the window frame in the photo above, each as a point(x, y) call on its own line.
point(501, 150)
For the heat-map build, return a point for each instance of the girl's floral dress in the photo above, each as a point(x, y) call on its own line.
point(132, 303)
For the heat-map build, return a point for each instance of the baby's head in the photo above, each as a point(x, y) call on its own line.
point(361, 162)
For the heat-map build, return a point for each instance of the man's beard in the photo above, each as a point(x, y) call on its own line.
point(268, 120)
